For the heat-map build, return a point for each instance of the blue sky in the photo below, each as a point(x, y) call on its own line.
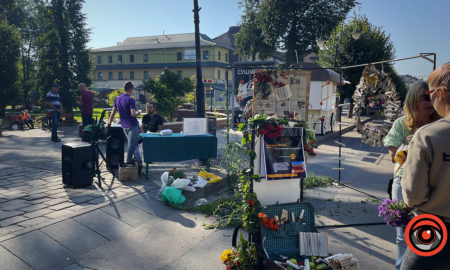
point(415, 26)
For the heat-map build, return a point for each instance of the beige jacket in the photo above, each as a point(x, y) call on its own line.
point(426, 179)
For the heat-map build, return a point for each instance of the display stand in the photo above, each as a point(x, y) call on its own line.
point(282, 182)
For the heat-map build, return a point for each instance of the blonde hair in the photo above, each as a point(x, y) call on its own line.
point(412, 99)
point(440, 77)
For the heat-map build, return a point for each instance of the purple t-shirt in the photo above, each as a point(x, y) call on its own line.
point(124, 103)
point(86, 98)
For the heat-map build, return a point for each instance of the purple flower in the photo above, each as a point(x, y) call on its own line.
point(394, 213)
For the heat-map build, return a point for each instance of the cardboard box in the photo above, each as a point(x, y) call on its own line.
point(128, 172)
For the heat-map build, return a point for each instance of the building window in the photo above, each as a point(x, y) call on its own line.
point(120, 75)
point(226, 57)
point(99, 59)
point(110, 76)
point(119, 59)
point(218, 74)
point(131, 58)
point(131, 75)
point(109, 59)
point(99, 76)
point(180, 72)
point(205, 55)
point(145, 75)
point(179, 56)
point(145, 57)
point(218, 55)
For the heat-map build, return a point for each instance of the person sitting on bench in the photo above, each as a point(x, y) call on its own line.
point(27, 119)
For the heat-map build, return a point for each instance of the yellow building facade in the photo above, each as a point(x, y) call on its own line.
point(139, 58)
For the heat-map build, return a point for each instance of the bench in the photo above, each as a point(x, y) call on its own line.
point(15, 119)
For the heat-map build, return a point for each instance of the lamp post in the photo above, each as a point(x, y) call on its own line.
point(321, 42)
point(211, 98)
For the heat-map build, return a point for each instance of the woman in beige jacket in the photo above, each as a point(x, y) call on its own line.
point(426, 179)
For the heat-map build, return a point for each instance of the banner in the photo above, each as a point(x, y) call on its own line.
point(243, 73)
point(284, 156)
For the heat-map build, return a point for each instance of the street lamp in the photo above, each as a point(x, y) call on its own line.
point(321, 42)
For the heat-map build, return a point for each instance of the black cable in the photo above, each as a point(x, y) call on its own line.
point(351, 225)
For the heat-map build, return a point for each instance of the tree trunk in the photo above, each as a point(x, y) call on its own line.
point(64, 58)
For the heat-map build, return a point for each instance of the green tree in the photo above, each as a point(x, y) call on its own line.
point(373, 45)
point(62, 52)
point(168, 90)
point(249, 41)
point(23, 15)
point(112, 96)
point(9, 61)
point(294, 25)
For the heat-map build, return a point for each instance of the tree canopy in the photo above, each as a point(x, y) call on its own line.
point(288, 25)
point(373, 45)
point(168, 90)
point(9, 63)
point(62, 53)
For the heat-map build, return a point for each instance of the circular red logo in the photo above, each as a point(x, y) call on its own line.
point(426, 235)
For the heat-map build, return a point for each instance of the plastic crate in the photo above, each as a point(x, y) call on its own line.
point(285, 240)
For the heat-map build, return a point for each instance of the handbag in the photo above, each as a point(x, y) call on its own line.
point(389, 188)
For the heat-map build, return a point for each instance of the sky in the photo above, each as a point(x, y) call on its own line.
point(414, 26)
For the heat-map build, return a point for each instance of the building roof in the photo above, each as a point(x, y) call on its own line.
point(319, 73)
point(227, 38)
point(160, 42)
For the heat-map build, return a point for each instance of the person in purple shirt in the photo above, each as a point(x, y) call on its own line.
point(85, 101)
point(126, 106)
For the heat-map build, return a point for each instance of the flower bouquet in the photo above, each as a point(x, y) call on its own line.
point(395, 213)
point(244, 257)
point(261, 83)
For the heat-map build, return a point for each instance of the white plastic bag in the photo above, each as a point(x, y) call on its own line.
point(164, 181)
point(201, 201)
point(200, 183)
point(183, 184)
point(180, 183)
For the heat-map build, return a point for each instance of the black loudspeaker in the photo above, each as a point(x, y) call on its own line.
point(115, 140)
point(77, 164)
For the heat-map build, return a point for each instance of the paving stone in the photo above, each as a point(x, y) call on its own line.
point(81, 198)
point(33, 222)
point(128, 213)
point(14, 204)
point(104, 224)
point(35, 196)
point(10, 261)
point(39, 250)
point(8, 214)
point(59, 214)
point(75, 236)
point(12, 220)
point(97, 200)
point(80, 208)
point(150, 205)
point(34, 207)
point(38, 213)
point(41, 200)
point(10, 229)
point(61, 206)
point(55, 201)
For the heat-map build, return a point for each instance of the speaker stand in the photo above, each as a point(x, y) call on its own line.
point(97, 171)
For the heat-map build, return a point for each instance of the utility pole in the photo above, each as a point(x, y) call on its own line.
point(200, 92)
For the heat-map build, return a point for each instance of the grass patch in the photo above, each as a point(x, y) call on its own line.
point(317, 181)
point(225, 211)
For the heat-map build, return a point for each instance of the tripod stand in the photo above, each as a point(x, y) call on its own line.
point(96, 149)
